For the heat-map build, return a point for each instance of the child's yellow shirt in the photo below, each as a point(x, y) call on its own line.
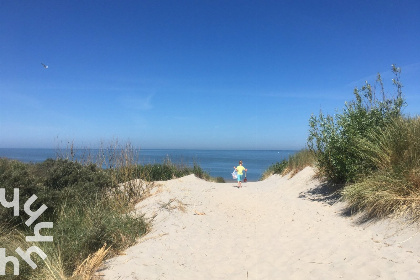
point(240, 169)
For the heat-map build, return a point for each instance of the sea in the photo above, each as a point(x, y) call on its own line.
point(218, 163)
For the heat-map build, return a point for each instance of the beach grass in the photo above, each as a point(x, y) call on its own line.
point(299, 161)
point(393, 189)
point(292, 165)
point(123, 162)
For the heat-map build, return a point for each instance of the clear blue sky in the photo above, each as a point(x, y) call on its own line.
point(194, 74)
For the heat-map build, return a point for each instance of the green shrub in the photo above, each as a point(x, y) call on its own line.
point(15, 174)
point(10, 239)
point(200, 173)
point(333, 138)
point(159, 172)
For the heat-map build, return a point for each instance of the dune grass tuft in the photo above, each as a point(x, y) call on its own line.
point(87, 269)
point(292, 165)
point(299, 161)
point(394, 188)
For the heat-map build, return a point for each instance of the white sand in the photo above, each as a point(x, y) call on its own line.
point(272, 229)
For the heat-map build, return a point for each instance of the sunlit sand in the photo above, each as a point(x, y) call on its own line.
point(274, 229)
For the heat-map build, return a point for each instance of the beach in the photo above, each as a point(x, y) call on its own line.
point(279, 228)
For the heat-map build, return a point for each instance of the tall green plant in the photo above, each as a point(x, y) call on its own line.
point(333, 138)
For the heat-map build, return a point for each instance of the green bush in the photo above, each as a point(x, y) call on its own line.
point(15, 174)
point(64, 174)
point(333, 139)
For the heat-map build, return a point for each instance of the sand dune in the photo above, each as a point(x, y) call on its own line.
point(274, 229)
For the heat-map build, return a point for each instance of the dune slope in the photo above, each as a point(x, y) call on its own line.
point(275, 229)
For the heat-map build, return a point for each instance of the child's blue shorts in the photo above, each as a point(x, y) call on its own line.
point(240, 178)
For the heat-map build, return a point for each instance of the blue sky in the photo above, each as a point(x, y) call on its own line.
point(194, 74)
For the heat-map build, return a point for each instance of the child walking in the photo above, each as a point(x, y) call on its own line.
point(240, 169)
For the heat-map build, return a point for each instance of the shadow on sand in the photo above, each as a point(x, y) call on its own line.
point(330, 194)
point(325, 192)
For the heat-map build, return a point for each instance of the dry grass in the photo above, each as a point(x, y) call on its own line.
point(52, 268)
point(87, 269)
point(132, 192)
point(173, 204)
point(10, 239)
point(383, 195)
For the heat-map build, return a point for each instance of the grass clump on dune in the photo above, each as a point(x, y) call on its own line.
point(292, 165)
point(394, 187)
point(276, 168)
point(299, 161)
point(168, 170)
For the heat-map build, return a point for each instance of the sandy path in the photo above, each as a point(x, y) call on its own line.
point(267, 230)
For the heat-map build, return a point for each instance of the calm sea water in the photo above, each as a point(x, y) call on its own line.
point(219, 163)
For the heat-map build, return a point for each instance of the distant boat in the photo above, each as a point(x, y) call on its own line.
point(45, 66)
